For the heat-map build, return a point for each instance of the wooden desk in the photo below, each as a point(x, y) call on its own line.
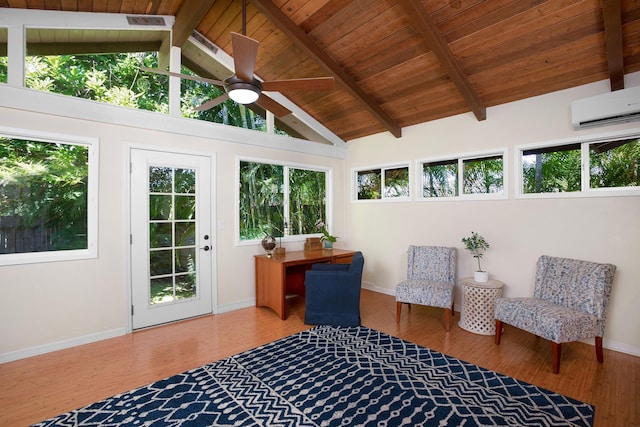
point(280, 275)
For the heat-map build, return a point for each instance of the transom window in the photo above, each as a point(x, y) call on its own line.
point(390, 182)
point(468, 176)
point(611, 165)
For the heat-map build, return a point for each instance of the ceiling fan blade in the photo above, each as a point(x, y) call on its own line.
point(315, 83)
point(276, 108)
point(183, 76)
point(212, 103)
point(245, 53)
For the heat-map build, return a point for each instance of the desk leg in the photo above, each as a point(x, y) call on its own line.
point(270, 286)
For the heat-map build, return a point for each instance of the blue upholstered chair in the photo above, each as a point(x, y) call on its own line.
point(569, 303)
point(431, 279)
point(333, 293)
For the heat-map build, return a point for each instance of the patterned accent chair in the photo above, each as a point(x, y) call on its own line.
point(569, 304)
point(431, 279)
point(333, 293)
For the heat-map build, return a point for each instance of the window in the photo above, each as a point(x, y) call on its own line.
point(440, 179)
point(581, 167)
point(116, 79)
point(551, 169)
point(280, 200)
point(47, 199)
point(614, 164)
point(382, 183)
point(109, 78)
point(470, 176)
point(4, 64)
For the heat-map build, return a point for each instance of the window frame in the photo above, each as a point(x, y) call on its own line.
point(4, 41)
point(286, 165)
point(383, 168)
point(93, 146)
point(585, 189)
point(460, 160)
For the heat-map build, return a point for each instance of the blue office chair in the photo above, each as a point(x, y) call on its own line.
point(333, 293)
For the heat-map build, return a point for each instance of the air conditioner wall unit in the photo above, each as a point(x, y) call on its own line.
point(620, 106)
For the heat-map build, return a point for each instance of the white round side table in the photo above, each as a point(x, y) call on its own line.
point(478, 304)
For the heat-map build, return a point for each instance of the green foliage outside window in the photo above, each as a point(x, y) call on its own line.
point(43, 196)
point(396, 182)
point(483, 175)
point(614, 164)
point(172, 227)
point(307, 200)
point(557, 169)
point(370, 183)
point(4, 64)
point(440, 179)
point(265, 208)
point(261, 200)
point(116, 79)
point(551, 170)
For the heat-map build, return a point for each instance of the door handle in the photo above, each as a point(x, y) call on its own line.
point(206, 248)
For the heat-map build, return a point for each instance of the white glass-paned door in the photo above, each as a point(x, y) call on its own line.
point(171, 242)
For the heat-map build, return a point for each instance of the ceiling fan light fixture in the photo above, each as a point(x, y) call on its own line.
point(243, 92)
point(244, 96)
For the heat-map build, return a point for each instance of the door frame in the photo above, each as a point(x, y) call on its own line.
point(128, 281)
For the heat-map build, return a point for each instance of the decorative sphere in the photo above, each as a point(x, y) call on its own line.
point(269, 243)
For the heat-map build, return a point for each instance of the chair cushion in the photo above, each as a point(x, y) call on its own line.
point(547, 319)
point(425, 292)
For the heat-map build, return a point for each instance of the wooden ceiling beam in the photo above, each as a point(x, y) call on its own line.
point(188, 18)
point(300, 38)
point(439, 46)
point(612, 15)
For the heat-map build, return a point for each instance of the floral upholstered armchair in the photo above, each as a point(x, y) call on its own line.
point(569, 304)
point(431, 279)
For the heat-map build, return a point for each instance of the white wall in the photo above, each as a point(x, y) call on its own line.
point(602, 229)
point(47, 306)
point(55, 305)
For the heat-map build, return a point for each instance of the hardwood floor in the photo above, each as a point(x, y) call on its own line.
point(40, 387)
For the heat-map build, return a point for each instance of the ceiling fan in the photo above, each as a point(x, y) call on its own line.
point(243, 87)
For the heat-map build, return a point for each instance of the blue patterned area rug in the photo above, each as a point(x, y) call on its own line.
point(330, 376)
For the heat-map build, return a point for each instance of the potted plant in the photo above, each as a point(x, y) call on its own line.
point(327, 239)
point(477, 244)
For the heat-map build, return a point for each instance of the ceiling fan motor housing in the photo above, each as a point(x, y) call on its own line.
point(234, 85)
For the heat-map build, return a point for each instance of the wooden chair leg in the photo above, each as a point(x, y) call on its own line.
point(498, 331)
point(556, 351)
point(599, 354)
point(398, 310)
point(447, 319)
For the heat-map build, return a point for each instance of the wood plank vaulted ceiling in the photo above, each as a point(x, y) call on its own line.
point(402, 62)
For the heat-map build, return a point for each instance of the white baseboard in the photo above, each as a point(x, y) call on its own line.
point(236, 306)
point(608, 344)
point(86, 339)
point(371, 287)
point(621, 347)
point(60, 345)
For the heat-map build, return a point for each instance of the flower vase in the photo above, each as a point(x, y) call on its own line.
point(480, 276)
point(328, 244)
